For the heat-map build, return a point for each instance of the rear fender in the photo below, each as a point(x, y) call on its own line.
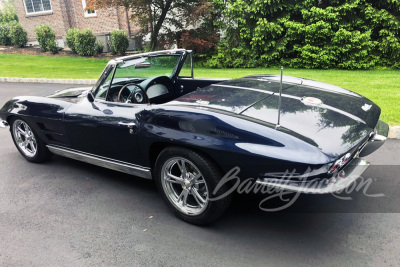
point(229, 141)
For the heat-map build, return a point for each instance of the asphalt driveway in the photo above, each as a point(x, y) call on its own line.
point(68, 213)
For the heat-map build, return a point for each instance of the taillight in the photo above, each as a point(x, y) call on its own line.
point(346, 158)
point(340, 163)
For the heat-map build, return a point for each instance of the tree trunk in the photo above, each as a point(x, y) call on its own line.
point(157, 27)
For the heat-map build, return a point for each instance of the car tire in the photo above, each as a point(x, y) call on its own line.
point(31, 147)
point(186, 179)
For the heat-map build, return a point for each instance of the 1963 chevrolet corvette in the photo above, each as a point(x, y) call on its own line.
point(148, 116)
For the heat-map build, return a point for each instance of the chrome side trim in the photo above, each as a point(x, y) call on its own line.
point(3, 124)
point(350, 173)
point(102, 162)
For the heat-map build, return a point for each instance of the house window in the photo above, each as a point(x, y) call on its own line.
point(37, 6)
point(88, 12)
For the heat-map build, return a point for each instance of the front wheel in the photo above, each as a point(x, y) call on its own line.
point(186, 180)
point(27, 142)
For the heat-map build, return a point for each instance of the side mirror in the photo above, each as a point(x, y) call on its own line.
point(143, 65)
point(90, 97)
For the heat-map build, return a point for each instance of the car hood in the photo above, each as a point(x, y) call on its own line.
point(71, 92)
point(329, 117)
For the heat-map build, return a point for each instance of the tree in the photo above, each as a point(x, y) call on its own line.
point(357, 34)
point(159, 16)
point(255, 31)
point(8, 13)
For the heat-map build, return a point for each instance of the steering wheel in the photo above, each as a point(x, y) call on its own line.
point(139, 97)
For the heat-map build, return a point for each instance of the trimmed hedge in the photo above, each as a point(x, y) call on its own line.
point(85, 43)
point(12, 33)
point(5, 37)
point(19, 36)
point(46, 37)
point(119, 42)
point(70, 38)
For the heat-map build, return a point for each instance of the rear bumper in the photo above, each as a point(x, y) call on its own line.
point(344, 178)
point(376, 139)
point(324, 186)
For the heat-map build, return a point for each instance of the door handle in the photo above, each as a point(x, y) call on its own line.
point(130, 125)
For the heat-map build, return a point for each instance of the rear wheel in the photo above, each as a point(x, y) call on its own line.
point(186, 180)
point(27, 142)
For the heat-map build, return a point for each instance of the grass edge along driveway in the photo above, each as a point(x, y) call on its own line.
point(381, 86)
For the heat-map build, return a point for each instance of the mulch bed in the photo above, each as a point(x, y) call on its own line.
point(35, 50)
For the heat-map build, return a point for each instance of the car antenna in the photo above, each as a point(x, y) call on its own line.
point(279, 101)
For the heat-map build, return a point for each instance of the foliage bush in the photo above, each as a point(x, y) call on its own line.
point(53, 47)
point(322, 34)
point(201, 40)
point(119, 42)
point(8, 13)
point(85, 43)
point(46, 37)
point(90, 47)
point(70, 38)
point(5, 38)
point(19, 36)
point(99, 47)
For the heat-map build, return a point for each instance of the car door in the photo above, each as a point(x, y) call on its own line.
point(105, 129)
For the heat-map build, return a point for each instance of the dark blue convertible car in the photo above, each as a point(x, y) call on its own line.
point(148, 116)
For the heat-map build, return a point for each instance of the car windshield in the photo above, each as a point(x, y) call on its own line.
point(146, 67)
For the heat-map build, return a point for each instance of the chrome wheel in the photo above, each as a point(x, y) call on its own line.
point(184, 186)
point(24, 138)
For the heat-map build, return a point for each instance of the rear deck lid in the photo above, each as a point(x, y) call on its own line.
point(329, 117)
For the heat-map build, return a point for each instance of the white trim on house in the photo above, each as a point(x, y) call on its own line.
point(88, 13)
point(40, 12)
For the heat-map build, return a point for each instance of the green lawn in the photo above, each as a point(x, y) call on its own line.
point(29, 66)
point(381, 86)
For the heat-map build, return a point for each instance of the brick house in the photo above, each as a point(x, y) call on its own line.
point(64, 14)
